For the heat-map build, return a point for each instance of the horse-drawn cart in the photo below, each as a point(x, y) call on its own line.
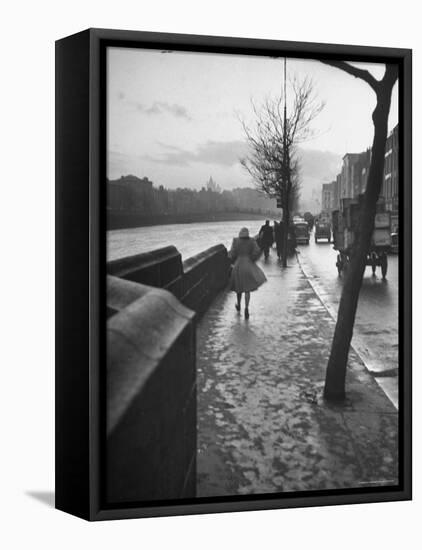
point(345, 224)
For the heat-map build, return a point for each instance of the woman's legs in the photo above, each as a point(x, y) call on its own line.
point(247, 300)
point(239, 299)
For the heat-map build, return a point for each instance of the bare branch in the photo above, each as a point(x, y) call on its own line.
point(354, 71)
point(272, 159)
point(391, 74)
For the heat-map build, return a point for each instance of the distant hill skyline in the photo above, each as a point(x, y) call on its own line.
point(316, 168)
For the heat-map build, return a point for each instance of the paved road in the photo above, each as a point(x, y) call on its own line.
point(376, 326)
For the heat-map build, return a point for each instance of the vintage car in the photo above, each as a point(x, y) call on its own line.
point(301, 229)
point(394, 243)
point(322, 231)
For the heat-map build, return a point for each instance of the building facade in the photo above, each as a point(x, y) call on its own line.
point(327, 197)
point(336, 193)
point(390, 188)
point(350, 176)
point(129, 193)
point(353, 178)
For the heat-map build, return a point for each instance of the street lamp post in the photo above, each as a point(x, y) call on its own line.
point(286, 176)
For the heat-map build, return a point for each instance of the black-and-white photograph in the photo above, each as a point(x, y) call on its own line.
point(252, 250)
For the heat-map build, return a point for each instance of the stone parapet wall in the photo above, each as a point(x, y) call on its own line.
point(195, 282)
point(152, 302)
point(160, 268)
point(151, 395)
point(204, 275)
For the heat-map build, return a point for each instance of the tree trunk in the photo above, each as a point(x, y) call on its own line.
point(337, 364)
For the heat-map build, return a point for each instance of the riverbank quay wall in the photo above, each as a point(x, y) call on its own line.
point(129, 220)
point(153, 302)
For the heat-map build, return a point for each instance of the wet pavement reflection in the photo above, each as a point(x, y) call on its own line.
point(262, 423)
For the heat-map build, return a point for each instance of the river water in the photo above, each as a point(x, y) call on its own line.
point(188, 238)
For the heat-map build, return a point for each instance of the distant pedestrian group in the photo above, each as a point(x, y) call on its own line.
point(266, 237)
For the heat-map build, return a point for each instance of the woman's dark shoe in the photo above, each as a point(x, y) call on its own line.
point(237, 306)
point(246, 313)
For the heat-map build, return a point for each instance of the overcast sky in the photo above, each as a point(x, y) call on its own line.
point(174, 117)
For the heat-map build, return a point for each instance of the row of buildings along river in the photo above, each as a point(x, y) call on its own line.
point(351, 181)
point(132, 201)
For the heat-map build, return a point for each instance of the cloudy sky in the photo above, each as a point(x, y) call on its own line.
point(174, 117)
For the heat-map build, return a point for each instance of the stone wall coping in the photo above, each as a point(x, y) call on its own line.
point(205, 254)
point(121, 292)
point(124, 265)
point(138, 338)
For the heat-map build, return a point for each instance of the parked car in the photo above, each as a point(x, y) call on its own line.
point(301, 232)
point(394, 243)
point(322, 231)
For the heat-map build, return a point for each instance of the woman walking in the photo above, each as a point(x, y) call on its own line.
point(246, 275)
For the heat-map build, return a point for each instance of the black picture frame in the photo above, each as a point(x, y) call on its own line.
point(80, 271)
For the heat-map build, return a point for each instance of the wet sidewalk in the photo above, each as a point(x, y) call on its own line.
point(262, 423)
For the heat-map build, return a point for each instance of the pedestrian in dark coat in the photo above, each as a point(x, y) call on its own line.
point(278, 235)
point(292, 239)
point(266, 237)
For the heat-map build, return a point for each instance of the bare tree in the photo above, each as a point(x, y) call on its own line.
point(273, 138)
point(337, 363)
